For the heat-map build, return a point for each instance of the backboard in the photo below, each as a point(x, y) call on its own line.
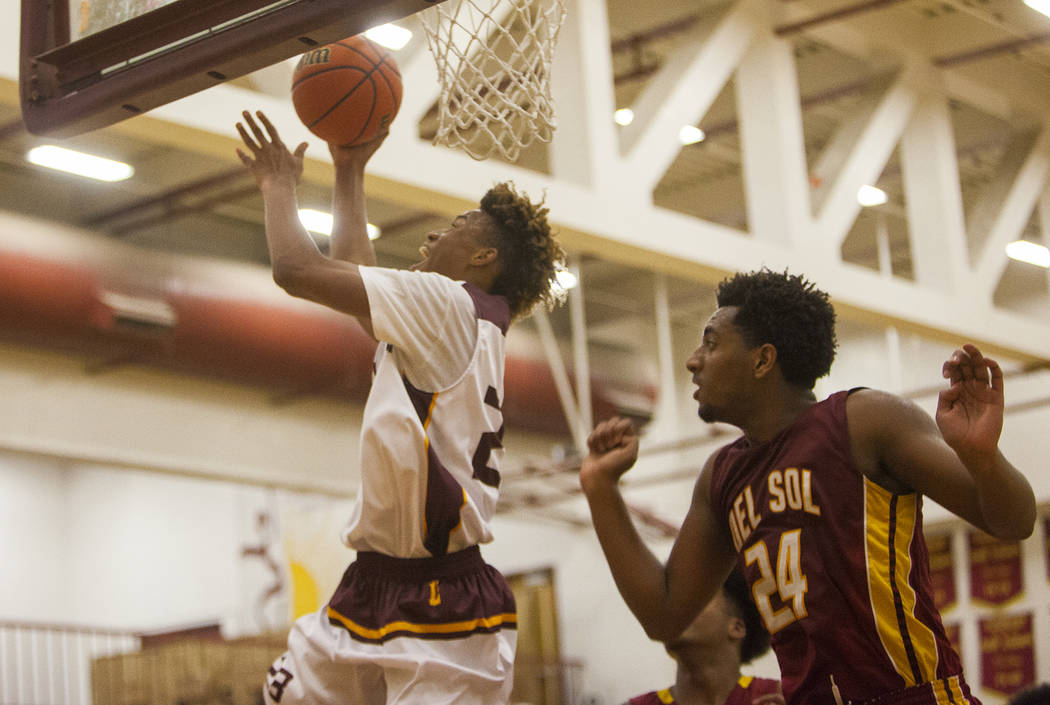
point(124, 57)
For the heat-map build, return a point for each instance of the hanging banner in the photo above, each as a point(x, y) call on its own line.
point(1007, 654)
point(942, 571)
point(995, 569)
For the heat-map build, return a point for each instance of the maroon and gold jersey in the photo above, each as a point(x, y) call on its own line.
point(838, 568)
point(747, 689)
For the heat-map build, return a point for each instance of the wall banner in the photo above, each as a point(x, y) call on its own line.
point(1007, 653)
point(942, 571)
point(995, 569)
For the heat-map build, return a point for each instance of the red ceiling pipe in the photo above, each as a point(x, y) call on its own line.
point(287, 349)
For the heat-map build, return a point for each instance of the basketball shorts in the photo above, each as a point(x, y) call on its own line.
point(406, 631)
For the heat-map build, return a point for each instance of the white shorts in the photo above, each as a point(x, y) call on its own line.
point(431, 630)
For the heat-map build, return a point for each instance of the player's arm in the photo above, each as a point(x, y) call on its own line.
point(298, 266)
point(954, 460)
point(350, 218)
point(663, 597)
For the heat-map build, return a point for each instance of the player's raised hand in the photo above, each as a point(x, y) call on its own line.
point(356, 155)
point(970, 411)
point(270, 161)
point(612, 450)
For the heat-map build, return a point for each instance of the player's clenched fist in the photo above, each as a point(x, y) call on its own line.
point(612, 450)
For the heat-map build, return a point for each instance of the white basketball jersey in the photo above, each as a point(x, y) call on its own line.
point(431, 437)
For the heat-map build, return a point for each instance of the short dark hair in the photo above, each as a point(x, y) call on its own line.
point(528, 251)
point(789, 312)
point(1036, 695)
point(756, 640)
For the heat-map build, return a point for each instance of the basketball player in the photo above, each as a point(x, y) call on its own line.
point(418, 617)
point(726, 633)
point(818, 503)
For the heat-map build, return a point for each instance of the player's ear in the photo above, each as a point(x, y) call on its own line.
point(737, 629)
point(484, 256)
point(763, 358)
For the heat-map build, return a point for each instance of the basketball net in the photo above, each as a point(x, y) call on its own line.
point(493, 60)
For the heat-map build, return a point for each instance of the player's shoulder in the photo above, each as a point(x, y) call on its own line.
point(877, 408)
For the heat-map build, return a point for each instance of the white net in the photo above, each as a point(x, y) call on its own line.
point(493, 60)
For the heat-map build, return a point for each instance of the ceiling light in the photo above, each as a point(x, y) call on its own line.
point(871, 196)
point(1039, 6)
point(321, 223)
point(623, 116)
point(690, 134)
point(79, 163)
point(1024, 251)
point(566, 279)
point(389, 35)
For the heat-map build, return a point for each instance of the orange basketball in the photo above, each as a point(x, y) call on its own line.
point(347, 92)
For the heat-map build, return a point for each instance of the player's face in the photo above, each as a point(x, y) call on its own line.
point(448, 251)
point(721, 368)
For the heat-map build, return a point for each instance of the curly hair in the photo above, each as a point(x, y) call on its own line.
point(530, 255)
point(1036, 695)
point(789, 312)
point(756, 641)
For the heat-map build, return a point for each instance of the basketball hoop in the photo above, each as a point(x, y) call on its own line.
point(493, 60)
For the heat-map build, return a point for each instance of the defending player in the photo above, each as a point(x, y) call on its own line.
point(418, 617)
point(726, 633)
point(819, 503)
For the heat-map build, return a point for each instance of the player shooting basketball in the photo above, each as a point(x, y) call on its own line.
point(819, 503)
point(418, 617)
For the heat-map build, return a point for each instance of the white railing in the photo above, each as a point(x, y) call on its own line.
point(50, 664)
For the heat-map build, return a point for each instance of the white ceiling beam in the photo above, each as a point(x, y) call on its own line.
point(987, 207)
point(581, 350)
point(569, 403)
point(585, 145)
point(1014, 215)
point(886, 49)
point(838, 149)
point(867, 159)
point(936, 223)
point(684, 89)
point(776, 182)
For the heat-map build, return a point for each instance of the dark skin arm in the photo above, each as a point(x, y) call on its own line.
point(663, 597)
point(955, 459)
point(298, 266)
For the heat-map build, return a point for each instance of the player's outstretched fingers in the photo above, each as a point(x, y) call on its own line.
point(246, 138)
point(958, 367)
point(257, 132)
point(275, 136)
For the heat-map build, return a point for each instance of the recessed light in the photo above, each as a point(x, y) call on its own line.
point(321, 222)
point(1030, 252)
point(870, 196)
point(79, 163)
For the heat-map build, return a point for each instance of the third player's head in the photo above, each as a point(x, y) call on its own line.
point(729, 627)
point(770, 328)
point(505, 246)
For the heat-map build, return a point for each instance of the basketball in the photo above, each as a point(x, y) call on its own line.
point(346, 93)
